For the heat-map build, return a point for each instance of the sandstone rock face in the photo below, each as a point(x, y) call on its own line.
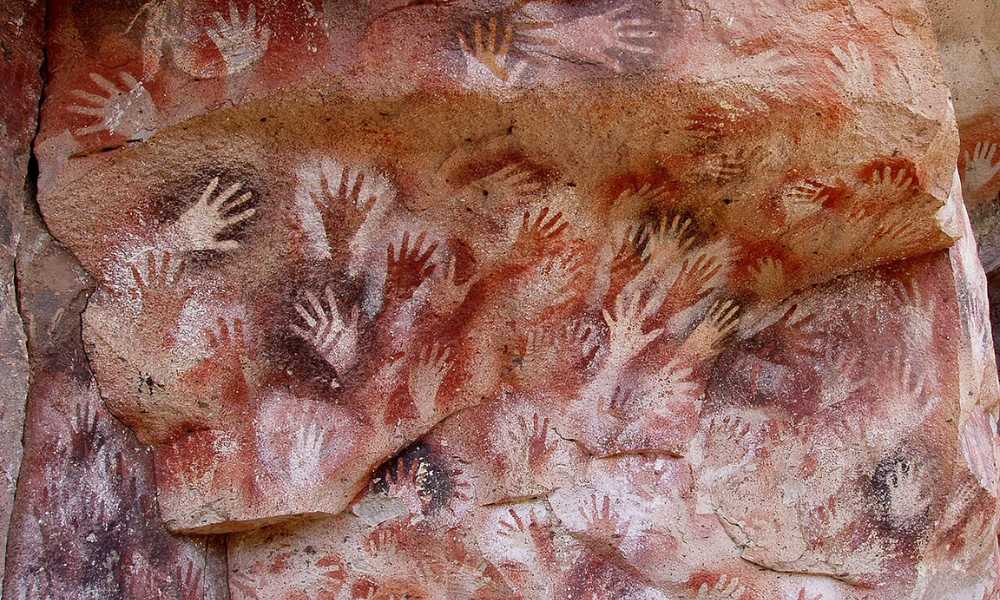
point(84, 522)
point(970, 51)
point(455, 299)
point(21, 86)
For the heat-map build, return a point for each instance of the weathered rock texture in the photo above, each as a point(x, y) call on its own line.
point(84, 523)
point(21, 50)
point(455, 299)
point(970, 51)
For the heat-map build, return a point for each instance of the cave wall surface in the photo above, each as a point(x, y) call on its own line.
point(21, 45)
point(84, 522)
point(479, 299)
point(970, 52)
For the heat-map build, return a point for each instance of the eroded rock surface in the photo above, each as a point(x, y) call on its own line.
point(527, 299)
point(85, 522)
point(970, 52)
point(21, 45)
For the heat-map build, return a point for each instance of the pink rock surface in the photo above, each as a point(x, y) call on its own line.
point(970, 52)
point(801, 474)
point(449, 299)
point(85, 522)
point(21, 85)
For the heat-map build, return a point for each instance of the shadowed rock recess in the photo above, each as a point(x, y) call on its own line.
point(493, 300)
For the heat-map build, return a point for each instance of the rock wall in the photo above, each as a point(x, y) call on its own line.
point(84, 522)
point(970, 51)
point(21, 51)
point(481, 299)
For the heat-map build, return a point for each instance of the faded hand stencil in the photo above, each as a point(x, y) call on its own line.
point(561, 375)
point(171, 27)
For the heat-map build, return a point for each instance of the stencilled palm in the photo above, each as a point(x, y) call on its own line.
point(906, 498)
point(714, 122)
point(890, 186)
point(695, 280)
point(914, 309)
point(161, 292)
point(409, 266)
point(227, 336)
point(447, 293)
point(128, 112)
point(601, 521)
point(83, 423)
point(462, 580)
point(804, 200)
point(159, 29)
point(240, 40)
point(306, 454)
point(548, 353)
point(719, 323)
point(897, 230)
point(671, 383)
point(381, 546)
point(425, 379)
point(551, 283)
point(508, 183)
point(333, 338)
point(527, 534)
point(348, 196)
point(626, 324)
point(488, 63)
point(827, 520)
point(724, 589)
point(829, 238)
point(709, 123)
point(603, 39)
point(854, 70)
point(770, 66)
point(909, 381)
point(161, 277)
point(621, 402)
point(189, 578)
point(664, 394)
point(768, 278)
point(406, 483)
point(858, 214)
point(645, 196)
point(535, 233)
point(629, 258)
point(980, 167)
point(538, 447)
point(727, 166)
point(83, 429)
point(910, 387)
point(841, 383)
point(669, 241)
point(973, 531)
point(202, 225)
